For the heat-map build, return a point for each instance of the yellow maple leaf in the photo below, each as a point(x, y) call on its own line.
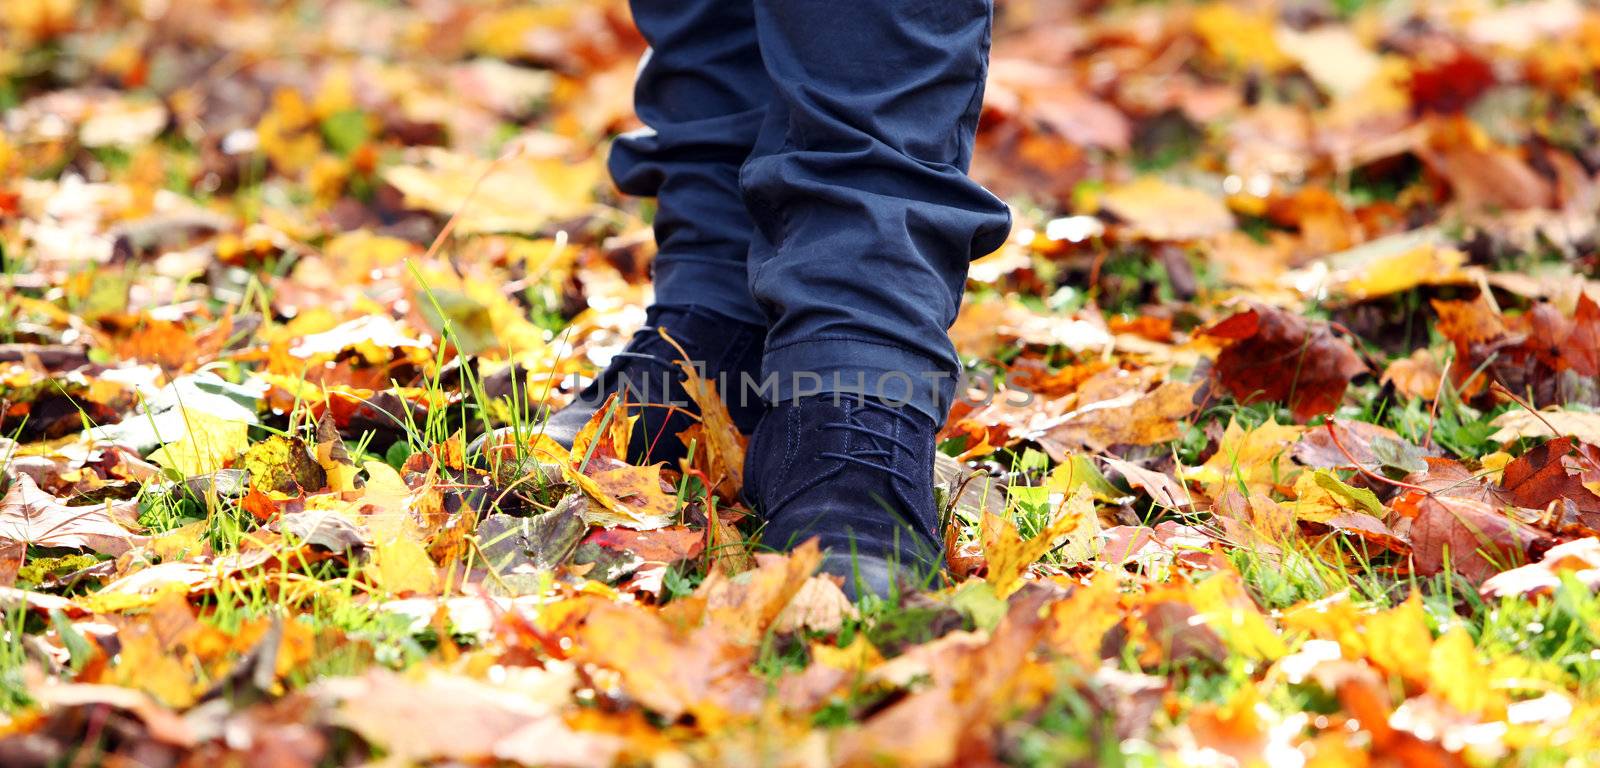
point(285, 132)
point(1009, 555)
point(1081, 621)
point(1228, 608)
point(1426, 264)
point(1456, 675)
point(1251, 458)
point(612, 417)
point(333, 456)
point(145, 663)
point(401, 564)
point(1160, 210)
point(1240, 38)
point(38, 19)
point(628, 496)
point(720, 444)
point(859, 656)
point(1396, 640)
point(208, 442)
point(1315, 502)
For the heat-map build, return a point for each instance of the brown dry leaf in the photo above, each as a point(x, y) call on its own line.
point(667, 546)
point(1273, 355)
point(1027, 89)
point(1579, 559)
point(1132, 418)
point(743, 607)
point(1483, 176)
point(1416, 376)
point(1470, 538)
point(832, 669)
point(1520, 423)
point(720, 453)
point(13, 599)
point(550, 741)
point(162, 724)
point(12, 555)
point(955, 721)
point(1357, 443)
point(468, 720)
point(1333, 55)
point(1264, 522)
point(1164, 490)
point(701, 672)
point(1469, 322)
point(819, 606)
point(519, 193)
point(33, 517)
point(1554, 470)
point(1448, 477)
point(1580, 350)
point(1159, 210)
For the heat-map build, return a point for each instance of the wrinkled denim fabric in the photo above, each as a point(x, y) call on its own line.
point(809, 159)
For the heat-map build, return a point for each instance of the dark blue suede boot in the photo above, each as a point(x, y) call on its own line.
point(723, 349)
point(857, 474)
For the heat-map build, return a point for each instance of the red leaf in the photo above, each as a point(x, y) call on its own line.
point(1550, 472)
point(1280, 357)
point(1581, 350)
point(1451, 85)
point(1473, 538)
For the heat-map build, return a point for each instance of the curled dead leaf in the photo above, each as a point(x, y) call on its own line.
point(1273, 355)
point(31, 516)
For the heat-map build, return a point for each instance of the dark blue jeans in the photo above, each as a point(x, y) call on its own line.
point(809, 158)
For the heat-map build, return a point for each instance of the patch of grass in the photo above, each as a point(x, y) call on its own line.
point(1557, 635)
point(892, 624)
point(1072, 729)
point(1451, 424)
point(13, 656)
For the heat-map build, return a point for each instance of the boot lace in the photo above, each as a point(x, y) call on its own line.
point(880, 456)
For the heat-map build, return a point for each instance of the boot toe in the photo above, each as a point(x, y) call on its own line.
point(866, 574)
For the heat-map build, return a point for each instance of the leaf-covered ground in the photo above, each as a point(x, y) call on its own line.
point(1281, 448)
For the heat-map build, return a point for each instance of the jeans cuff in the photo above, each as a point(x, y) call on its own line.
point(892, 374)
point(720, 286)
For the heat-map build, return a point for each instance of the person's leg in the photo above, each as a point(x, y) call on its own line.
point(866, 219)
point(866, 222)
point(702, 93)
